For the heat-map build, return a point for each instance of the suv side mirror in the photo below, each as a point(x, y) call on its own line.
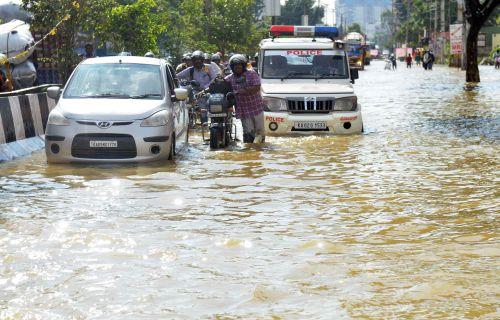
point(180, 94)
point(354, 75)
point(53, 92)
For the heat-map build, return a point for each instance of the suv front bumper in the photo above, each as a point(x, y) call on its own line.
point(285, 123)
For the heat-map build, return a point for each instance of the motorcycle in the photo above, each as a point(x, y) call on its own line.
point(197, 103)
point(220, 107)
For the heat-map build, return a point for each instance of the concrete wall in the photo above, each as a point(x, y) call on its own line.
point(23, 119)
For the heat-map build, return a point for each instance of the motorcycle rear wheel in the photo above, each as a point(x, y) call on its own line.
point(215, 137)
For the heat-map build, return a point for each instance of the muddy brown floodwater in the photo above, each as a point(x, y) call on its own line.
point(398, 223)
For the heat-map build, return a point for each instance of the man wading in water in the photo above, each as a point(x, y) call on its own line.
point(249, 104)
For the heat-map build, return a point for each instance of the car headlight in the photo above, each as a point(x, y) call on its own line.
point(275, 104)
point(156, 120)
point(346, 104)
point(57, 119)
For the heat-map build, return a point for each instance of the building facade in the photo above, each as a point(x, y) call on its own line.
point(364, 12)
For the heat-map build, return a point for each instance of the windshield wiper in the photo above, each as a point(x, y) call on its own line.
point(107, 95)
point(290, 75)
point(325, 76)
point(146, 95)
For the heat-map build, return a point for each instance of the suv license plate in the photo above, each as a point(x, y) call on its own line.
point(104, 144)
point(310, 125)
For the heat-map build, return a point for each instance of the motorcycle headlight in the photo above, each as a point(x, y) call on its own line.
point(57, 119)
point(346, 104)
point(156, 120)
point(275, 104)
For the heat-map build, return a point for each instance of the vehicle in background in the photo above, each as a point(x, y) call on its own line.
point(356, 43)
point(307, 83)
point(117, 109)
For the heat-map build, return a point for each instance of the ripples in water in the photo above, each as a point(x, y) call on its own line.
point(400, 222)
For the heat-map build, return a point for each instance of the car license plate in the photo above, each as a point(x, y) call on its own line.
point(104, 144)
point(310, 125)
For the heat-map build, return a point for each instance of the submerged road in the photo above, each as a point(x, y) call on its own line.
point(400, 222)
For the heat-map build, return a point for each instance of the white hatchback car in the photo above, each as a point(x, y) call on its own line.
point(117, 109)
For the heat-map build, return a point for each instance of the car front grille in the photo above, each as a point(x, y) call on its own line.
point(94, 123)
point(126, 148)
point(303, 106)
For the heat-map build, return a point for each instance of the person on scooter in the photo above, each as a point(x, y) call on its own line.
point(213, 65)
point(245, 84)
point(186, 63)
point(217, 59)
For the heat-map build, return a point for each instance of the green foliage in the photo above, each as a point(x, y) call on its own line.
point(161, 26)
point(136, 27)
point(355, 27)
point(415, 17)
point(224, 25)
point(292, 11)
point(84, 15)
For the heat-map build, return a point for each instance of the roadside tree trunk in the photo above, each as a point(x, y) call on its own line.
point(476, 13)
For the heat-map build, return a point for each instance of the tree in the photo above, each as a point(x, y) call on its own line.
point(292, 11)
point(82, 15)
point(413, 17)
point(476, 14)
point(355, 27)
point(220, 25)
point(136, 26)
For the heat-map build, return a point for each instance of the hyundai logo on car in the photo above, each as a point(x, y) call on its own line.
point(104, 124)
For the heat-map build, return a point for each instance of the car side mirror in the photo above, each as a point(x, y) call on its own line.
point(180, 94)
point(354, 75)
point(53, 92)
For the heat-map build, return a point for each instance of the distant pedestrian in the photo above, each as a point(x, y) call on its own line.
point(425, 60)
point(496, 59)
point(432, 58)
point(418, 58)
point(409, 61)
point(393, 61)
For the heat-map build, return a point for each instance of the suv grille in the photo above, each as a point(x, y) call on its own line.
point(126, 148)
point(302, 106)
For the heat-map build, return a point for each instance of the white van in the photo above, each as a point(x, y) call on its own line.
point(307, 82)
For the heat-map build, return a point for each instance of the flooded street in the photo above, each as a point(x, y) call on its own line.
point(398, 223)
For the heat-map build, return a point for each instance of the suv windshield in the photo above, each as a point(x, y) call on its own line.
point(304, 64)
point(116, 80)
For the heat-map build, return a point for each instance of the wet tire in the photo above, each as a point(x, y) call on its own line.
point(228, 139)
point(215, 137)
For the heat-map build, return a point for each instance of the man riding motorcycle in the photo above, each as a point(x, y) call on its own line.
point(186, 63)
point(245, 84)
point(203, 74)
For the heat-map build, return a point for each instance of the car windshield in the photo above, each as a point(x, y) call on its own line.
point(304, 64)
point(116, 80)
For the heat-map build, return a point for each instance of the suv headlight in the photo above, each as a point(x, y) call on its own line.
point(275, 104)
point(346, 104)
point(156, 120)
point(57, 119)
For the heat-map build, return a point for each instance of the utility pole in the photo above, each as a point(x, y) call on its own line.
point(442, 30)
point(460, 19)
